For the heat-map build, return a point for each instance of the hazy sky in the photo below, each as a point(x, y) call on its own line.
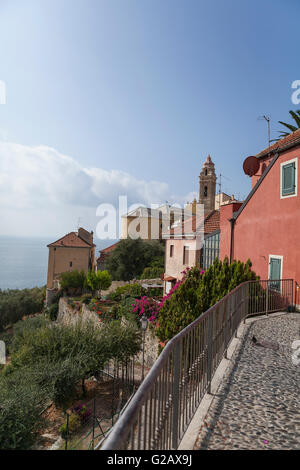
point(127, 97)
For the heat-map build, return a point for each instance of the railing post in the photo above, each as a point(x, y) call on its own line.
point(267, 298)
point(209, 350)
point(226, 326)
point(176, 381)
point(292, 293)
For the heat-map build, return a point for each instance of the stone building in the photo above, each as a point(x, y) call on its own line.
point(73, 251)
point(207, 189)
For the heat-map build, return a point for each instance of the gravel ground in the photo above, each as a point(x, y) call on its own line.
point(257, 405)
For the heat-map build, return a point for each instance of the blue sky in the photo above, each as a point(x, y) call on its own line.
point(116, 95)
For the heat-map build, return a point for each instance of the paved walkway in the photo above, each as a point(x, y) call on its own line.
point(257, 405)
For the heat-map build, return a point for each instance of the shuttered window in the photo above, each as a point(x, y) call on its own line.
point(185, 255)
point(288, 179)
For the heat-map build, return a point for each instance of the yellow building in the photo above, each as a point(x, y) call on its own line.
point(149, 224)
point(73, 251)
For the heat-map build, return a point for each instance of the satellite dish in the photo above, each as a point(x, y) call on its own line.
point(251, 166)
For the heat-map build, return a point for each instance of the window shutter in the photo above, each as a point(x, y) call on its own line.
point(288, 178)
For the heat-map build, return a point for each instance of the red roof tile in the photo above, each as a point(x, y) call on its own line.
point(294, 137)
point(71, 240)
point(110, 248)
point(211, 224)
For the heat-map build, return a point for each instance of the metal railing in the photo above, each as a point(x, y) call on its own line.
point(163, 406)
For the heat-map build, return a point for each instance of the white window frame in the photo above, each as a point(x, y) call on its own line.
point(294, 160)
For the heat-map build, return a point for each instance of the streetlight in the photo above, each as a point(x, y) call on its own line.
point(144, 324)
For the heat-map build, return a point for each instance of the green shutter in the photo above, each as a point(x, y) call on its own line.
point(288, 178)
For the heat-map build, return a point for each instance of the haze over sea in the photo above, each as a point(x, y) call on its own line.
point(24, 261)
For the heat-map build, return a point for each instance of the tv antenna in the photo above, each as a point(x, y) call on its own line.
point(266, 118)
point(220, 186)
point(78, 223)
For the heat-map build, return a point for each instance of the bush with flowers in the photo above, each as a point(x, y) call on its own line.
point(82, 411)
point(148, 307)
point(103, 313)
point(197, 292)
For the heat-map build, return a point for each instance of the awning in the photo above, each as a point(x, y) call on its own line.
point(169, 278)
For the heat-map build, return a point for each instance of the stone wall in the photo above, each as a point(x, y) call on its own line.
point(151, 349)
point(69, 316)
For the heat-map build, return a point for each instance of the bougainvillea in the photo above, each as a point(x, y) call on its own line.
point(148, 307)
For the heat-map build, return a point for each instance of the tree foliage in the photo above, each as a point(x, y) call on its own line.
point(100, 280)
point(290, 127)
point(48, 361)
point(130, 257)
point(72, 280)
point(198, 292)
point(15, 304)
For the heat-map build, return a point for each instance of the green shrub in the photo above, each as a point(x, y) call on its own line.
point(72, 281)
point(7, 338)
point(72, 427)
point(132, 290)
point(15, 304)
point(152, 272)
point(130, 257)
point(21, 400)
point(198, 292)
point(49, 361)
point(53, 312)
point(97, 281)
point(86, 298)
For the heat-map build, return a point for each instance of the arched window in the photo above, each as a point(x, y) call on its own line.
point(205, 172)
point(205, 191)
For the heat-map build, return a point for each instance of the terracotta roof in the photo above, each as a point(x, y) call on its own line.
point(211, 224)
point(71, 240)
point(294, 137)
point(109, 248)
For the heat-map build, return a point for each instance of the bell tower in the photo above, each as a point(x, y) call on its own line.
point(207, 192)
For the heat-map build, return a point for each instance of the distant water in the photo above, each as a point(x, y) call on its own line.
point(24, 261)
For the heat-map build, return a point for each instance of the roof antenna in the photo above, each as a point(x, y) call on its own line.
point(268, 120)
point(78, 223)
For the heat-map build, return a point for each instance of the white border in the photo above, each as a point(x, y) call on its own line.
point(281, 265)
point(296, 178)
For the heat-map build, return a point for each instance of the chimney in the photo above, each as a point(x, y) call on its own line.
point(85, 235)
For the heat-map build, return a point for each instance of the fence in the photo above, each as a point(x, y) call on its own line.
point(162, 408)
point(113, 387)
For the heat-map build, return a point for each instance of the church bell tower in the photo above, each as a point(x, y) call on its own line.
point(207, 192)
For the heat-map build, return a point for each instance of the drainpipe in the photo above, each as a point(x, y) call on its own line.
point(232, 221)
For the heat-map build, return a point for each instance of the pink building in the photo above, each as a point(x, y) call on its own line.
point(266, 227)
point(182, 250)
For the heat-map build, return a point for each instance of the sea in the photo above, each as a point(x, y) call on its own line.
point(24, 261)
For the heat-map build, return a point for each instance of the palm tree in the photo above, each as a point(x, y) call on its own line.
point(291, 127)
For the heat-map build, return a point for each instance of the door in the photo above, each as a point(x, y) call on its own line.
point(275, 272)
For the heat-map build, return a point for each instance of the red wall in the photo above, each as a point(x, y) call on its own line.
point(267, 226)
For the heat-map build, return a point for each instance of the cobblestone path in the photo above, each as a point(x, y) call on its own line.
point(257, 405)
